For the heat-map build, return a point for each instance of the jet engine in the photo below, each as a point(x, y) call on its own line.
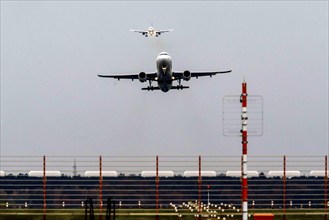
point(186, 75)
point(142, 77)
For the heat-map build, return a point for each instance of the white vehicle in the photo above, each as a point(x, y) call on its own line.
point(164, 75)
point(151, 32)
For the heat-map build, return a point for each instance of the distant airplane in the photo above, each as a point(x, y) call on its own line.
point(164, 75)
point(151, 32)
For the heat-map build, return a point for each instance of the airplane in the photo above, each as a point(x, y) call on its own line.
point(164, 75)
point(151, 31)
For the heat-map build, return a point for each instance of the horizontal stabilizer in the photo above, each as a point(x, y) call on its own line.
point(180, 87)
point(158, 88)
point(151, 88)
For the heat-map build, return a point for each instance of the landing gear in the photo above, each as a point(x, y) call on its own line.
point(180, 86)
point(150, 87)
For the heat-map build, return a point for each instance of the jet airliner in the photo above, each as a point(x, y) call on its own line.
point(151, 32)
point(164, 75)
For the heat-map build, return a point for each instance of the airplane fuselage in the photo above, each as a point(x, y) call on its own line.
point(164, 71)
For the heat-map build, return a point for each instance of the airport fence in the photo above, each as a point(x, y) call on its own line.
point(190, 183)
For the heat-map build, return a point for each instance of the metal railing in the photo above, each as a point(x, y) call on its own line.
point(192, 184)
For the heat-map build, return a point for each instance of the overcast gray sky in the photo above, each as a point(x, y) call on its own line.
point(53, 103)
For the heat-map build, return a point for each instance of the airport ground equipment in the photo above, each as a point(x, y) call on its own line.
point(263, 216)
point(89, 209)
point(110, 210)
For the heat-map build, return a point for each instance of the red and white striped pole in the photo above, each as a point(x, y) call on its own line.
point(44, 189)
point(100, 187)
point(325, 187)
point(199, 189)
point(244, 120)
point(284, 186)
point(157, 188)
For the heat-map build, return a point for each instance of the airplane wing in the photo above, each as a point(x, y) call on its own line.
point(139, 31)
point(179, 75)
point(149, 76)
point(163, 31)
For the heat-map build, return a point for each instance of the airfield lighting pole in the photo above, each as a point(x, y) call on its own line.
point(100, 188)
point(157, 188)
point(244, 120)
point(199, 188)
point(44, 188)
point(284, 187)
point(208, 188)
